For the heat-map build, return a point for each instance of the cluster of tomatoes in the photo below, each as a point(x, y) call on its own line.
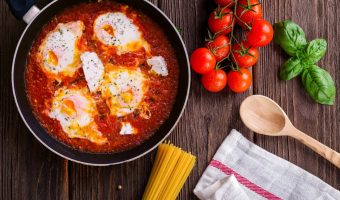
point(220, 51)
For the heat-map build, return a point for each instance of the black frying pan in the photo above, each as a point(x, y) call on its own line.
point(36, 19)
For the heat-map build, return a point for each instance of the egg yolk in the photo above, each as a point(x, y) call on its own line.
point(109, 29)
point(127, 96)
point(68, 107)
point(52, 58)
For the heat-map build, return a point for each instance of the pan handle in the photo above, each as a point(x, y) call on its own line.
point(23, 9)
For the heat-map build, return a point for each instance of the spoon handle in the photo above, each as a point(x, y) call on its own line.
point(326, 152)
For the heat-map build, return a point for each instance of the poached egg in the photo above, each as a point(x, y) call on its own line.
point(118, 30)
point(59, 54)
point(75, 111)
point(123, 89)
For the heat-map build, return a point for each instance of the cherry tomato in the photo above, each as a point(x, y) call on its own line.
point(202, 61)
point(261, 33)
point(244, 54)
point(219, 47)
point(239, 81)
point(247, 13)
point(220, 21)
point(223, 3)
point(215, 80)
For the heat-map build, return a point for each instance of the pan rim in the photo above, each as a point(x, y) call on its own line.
point(111, 163)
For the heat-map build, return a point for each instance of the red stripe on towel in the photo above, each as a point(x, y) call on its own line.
point(253, 187)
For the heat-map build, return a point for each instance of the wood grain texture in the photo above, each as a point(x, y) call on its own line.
point(30, 171)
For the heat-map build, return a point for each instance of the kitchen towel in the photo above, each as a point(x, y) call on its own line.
point(241, 170)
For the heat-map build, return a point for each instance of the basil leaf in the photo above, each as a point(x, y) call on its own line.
point(291, 68)
point(319, 84)
point(315, 50)
point(290, 37)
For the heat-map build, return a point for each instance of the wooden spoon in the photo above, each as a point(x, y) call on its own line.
point(263, 115)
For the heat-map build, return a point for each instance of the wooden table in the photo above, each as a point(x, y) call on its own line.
point(30, 171)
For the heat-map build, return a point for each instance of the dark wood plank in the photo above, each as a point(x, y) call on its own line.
point(28, 170)
point(102, 182)
point(319, 19)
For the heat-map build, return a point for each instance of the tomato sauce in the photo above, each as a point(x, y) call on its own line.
point(161, 94)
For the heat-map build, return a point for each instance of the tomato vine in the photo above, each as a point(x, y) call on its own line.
point(236, 55)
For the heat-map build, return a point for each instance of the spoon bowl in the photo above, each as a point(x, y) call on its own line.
point(263, 115)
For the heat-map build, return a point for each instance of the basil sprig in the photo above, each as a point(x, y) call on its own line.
point(317, 81)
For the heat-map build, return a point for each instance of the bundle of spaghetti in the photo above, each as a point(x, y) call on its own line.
point(171, 169)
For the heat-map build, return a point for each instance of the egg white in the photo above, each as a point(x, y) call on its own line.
point(93, 70)
point(127, 129)
point(116, 29)
point(75, 110)
point(58, 52)
point(158, 65)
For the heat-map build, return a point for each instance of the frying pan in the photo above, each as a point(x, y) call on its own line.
point(35, 19)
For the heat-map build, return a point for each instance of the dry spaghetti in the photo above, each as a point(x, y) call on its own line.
point(171, 168)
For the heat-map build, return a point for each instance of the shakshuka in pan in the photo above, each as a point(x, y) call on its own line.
point(101, 77)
